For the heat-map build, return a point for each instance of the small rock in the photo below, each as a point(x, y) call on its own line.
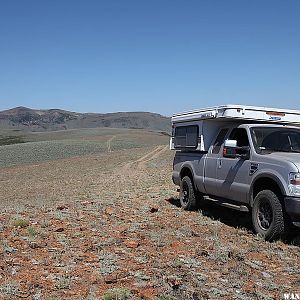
point(193, 233)
point(153, 210)
point(34, 245)
point(50, 277)
point(37, 296)
point(52, 249)
point(59, 229)
point(203, 252)
point(131, 243)
point(266, 275)
point(110, 279)
point(175, 282)
point(85, 202)
point(22, 294)
point(35, 262)
point(109, 211)
point(61, 207)
point(13, 271)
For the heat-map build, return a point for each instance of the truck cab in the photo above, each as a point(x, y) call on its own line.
point(248, 165)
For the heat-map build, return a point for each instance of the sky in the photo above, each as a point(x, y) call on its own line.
point(162, 56)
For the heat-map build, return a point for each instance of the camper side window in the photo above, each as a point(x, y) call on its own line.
point(186, 136)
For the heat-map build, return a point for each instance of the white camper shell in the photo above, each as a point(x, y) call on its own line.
point(194, 130)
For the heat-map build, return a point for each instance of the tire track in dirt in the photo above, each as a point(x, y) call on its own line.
point(155, 154)
point(109, 143)
point(139, 163)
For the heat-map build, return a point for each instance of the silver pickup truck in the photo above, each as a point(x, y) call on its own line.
point(249, 167)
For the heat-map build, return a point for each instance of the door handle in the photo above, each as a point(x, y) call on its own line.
point(219, 163)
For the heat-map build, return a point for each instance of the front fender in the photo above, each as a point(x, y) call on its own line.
point(271, 174)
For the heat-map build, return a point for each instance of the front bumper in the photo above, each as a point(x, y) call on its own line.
point(292, 208)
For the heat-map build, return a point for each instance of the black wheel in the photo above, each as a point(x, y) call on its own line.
point(268, 216)
point(187, 194)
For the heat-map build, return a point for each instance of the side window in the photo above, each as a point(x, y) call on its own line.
point(240, 135)
point(186, 136)
point(219, 141)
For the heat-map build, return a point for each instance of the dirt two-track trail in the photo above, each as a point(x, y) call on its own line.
point(141, 162)
point(109, 143)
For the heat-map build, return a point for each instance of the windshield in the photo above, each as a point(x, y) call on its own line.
point(272, 139)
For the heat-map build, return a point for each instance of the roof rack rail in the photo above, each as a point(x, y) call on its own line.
point(241, 112)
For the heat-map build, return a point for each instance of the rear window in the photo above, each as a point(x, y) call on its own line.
point(186, 136)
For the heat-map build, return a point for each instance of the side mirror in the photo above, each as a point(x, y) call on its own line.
point(230, 144)
point(231, 150)
point(230, 147)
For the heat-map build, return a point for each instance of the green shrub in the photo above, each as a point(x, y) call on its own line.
point(32, 232)
point(63, 282)
point(117, 294)
point(20, 223)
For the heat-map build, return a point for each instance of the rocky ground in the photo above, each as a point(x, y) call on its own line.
point(108, 226)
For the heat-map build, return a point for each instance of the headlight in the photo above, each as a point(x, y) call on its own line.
point(294, 184)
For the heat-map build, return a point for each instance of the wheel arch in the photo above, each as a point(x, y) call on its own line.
point(266, 182)
point(186, 170)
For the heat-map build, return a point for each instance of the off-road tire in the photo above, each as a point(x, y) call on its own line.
point(268, 216)
point(187, 194)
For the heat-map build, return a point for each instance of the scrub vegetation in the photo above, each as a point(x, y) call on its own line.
point(80, 223)
point(35, 147)
point(10, 140)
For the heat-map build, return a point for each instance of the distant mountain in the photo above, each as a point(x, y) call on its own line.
point(55, 119)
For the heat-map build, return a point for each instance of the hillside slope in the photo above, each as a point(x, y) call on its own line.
point(56, 119)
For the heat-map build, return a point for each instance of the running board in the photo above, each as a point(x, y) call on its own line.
point(227, 204)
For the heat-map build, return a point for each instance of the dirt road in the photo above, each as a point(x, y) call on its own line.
point(109, 143)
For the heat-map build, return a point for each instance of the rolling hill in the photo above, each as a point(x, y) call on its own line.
point(24, 118)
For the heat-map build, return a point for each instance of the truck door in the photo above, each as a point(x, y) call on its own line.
point(210, 176)
point(233, 173)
